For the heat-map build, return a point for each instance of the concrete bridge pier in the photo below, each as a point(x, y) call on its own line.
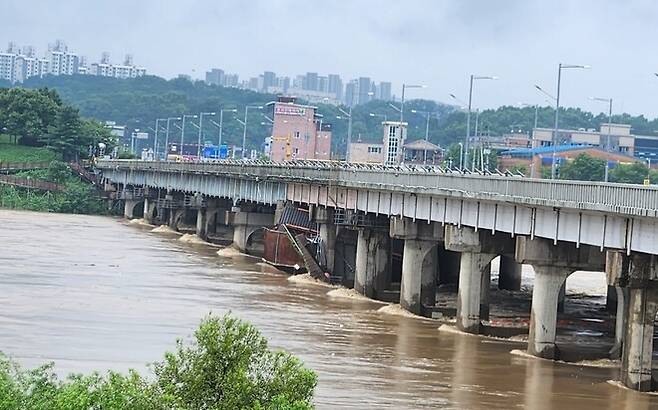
point(206, 218)
point(637, 352)
point(552, 265)
point(420, 262)
point(324, 217)
point(129, 207)
point(478, 248)
point(509, 273)
point(616, 268)
point(149, 210)
point(372, 270)
point(176, 215)
point(245, 223)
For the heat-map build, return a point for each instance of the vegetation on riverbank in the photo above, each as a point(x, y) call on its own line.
point(227, 366)
point(21, 153)
point(38, 127)
point(78, 196)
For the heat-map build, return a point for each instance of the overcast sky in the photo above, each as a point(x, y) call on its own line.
point(437, 43)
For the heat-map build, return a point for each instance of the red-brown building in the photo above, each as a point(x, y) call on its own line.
point(297, 132)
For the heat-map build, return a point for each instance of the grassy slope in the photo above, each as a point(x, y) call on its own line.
point(19, 153)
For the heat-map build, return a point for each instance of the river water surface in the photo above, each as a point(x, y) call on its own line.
point(99, 293)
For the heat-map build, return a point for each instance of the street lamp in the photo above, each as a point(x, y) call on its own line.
point(372, 114)
point(167, 135)
point(607, 143)
point(522, 104)
point(198, 145)
point(221, 126)
point(557, 108)
point(155, 138)
point(244, 125)
point(347, 115)
point(461, 103)
point(468, 115)
point(182, 133)
point(405, 86)
point(546, 93)
point(461, 156)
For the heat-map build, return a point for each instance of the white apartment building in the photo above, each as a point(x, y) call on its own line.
point(395, 134)
point(117, 71)
point(27, 67)
point(63, 62)
point(8, 66)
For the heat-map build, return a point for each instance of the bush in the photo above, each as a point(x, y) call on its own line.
point(228, 366)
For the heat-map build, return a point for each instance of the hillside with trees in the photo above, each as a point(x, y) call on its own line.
point(137, 102)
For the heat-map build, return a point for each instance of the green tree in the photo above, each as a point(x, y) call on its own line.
point(634, 173)
point(583, 168)
point(228, 366)
point(66, 136)
point(27, 114)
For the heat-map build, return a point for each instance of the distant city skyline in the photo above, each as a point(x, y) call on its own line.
point(311, 86)
point(419, 42)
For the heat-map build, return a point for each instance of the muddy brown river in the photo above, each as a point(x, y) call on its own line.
point(99, 293)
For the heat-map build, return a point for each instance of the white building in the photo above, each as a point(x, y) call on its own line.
point(8, 67)
point(126, 70)
point(395, 134)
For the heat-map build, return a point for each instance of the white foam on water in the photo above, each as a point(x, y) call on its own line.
point(190, 238)
point(139, 221)
point(397, 310)
point(307, 279)
point(164, 229)
point(229, 252)
point(345, 293)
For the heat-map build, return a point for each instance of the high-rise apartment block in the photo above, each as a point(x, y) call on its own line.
point(19, 64)
point(126, 70)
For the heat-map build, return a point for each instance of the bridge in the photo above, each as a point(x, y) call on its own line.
point(450, 226)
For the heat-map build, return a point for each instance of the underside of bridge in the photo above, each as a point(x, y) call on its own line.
point(434, 255)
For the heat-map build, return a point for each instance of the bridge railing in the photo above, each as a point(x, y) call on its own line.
point(598, 196)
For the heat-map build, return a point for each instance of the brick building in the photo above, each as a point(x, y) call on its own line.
point(297, 132)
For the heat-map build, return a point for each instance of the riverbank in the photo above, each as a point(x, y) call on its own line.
point(75, 197)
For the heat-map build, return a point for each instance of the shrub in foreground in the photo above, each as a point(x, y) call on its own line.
point(227, 365)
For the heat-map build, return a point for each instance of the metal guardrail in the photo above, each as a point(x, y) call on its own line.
point(31, 183)
point(431, 180)
point(23, 166)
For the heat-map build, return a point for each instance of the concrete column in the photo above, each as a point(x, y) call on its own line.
point(202, 224)
point(175, 216)
point(327, 230)
point(552, 263)
point(280, 206)
point(419, 273)
point(477, 249)
point(509, 273)
point(245, 223)
point(149, 210)
point(372, 272)
point(638, 347)
point(485, 289)
point(621, 318)
point(543, 316)
point(472, 269)
point(129, 207)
